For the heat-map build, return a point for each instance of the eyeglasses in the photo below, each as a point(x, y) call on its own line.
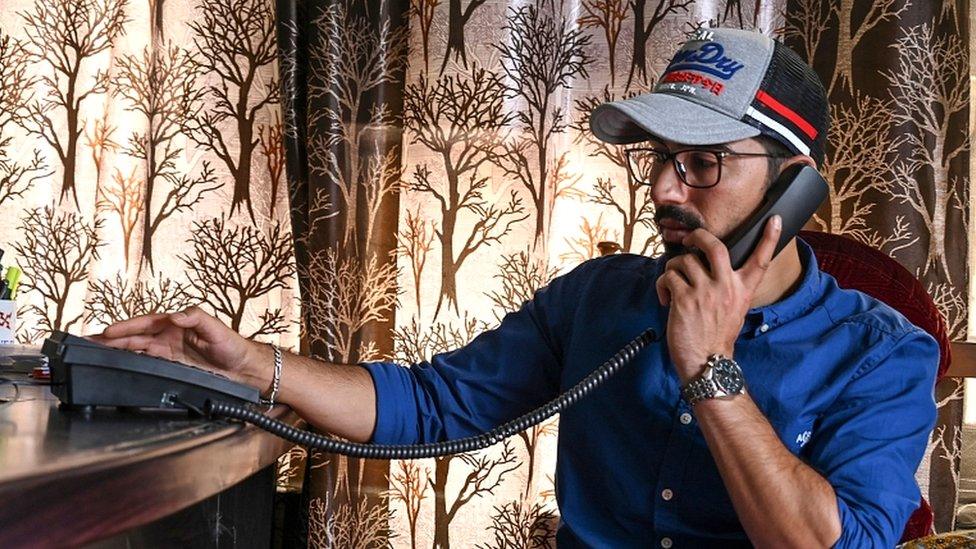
point(698, 168)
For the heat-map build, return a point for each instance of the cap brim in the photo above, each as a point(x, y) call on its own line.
point(668, 117)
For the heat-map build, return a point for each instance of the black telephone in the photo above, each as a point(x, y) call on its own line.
point(794, 196)
point(85, 373)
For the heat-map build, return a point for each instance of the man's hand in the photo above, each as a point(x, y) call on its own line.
point(708, 307)
point(191, 337)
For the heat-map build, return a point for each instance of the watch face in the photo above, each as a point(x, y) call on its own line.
point(728, 376)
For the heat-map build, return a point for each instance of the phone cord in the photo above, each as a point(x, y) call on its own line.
point(436, 449)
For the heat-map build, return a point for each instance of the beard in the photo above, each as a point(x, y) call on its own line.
point(689, 220)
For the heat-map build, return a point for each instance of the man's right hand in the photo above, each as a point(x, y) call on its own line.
point(190, 336)
point(196, 338)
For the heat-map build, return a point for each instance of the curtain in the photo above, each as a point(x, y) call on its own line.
point(141, 164)
point(343, 66)
point(439, 169)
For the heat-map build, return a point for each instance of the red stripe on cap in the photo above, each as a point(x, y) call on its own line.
point(787, 113)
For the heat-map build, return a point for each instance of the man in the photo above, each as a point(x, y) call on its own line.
point(818, 437)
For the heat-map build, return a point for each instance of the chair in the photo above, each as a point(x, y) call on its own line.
point(858, 266)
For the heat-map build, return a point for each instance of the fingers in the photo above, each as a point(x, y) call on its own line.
point(757, 264)
point(140, 343)
point(680, 274)
point(205, 326)
point(715, 251)
point(145, 324)
point(690, 267)
point(194, 319)
point(669, 283)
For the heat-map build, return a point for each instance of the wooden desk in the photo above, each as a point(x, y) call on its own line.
point(963, 360)
point(70, 478)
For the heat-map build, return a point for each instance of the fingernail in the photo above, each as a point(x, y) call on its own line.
point(777, 222)
point(179, 316)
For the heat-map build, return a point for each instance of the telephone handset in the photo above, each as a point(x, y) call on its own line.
point(794, 196)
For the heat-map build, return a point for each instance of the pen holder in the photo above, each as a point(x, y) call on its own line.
point(8, 321)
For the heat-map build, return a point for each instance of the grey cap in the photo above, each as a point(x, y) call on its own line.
point(724, 85)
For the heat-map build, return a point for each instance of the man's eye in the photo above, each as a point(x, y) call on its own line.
point(701, 160)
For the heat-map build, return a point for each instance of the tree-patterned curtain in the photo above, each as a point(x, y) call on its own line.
point(441, 169)
point(141, 164)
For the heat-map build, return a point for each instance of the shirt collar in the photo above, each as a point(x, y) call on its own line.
point(760, 320)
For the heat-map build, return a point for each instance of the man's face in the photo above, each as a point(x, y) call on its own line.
point(680, 209)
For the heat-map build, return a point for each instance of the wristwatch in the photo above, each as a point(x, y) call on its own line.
point(722, 378)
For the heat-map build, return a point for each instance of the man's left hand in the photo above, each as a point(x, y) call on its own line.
point(708, 306)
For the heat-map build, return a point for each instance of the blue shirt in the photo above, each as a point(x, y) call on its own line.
point(846, 382)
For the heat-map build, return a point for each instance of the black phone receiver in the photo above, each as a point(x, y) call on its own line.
point(794, 196)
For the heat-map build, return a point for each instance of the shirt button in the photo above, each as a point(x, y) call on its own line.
point(667, 494)
point(685, 418)
point(666, 543)
point(764, 328)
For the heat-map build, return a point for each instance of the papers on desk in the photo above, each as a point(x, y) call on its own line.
point(24, 360)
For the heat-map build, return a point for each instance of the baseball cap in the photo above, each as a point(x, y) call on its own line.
point(724, 85)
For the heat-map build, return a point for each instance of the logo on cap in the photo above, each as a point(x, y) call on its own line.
point(709, 58)
point(703, 34)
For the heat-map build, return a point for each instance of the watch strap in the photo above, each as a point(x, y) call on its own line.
point(698, 390)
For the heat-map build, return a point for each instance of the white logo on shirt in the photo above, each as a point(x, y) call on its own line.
point(803, 438)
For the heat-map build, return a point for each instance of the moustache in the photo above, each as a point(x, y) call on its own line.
point(677, 214)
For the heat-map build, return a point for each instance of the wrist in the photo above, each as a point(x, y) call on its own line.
point(722, 379)
point(689, 368)
point(731, 405)
point(258, 368)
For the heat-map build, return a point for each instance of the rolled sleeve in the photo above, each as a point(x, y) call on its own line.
point(395, 420)
point(868, 446)
point(500, 375)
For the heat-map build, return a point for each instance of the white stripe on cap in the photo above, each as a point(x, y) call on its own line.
point(782, 130)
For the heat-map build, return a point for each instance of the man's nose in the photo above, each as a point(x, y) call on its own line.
point(668, 188)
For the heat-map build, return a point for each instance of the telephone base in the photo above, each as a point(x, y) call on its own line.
point(85, 374)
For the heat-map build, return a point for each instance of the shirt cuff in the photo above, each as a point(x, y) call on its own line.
point(396, 422)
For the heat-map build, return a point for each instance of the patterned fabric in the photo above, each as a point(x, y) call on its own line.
point(447, 177)
point(141, 167)
point(897, 76)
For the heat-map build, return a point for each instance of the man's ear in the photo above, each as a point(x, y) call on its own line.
point(798, 159)
point(791, 161)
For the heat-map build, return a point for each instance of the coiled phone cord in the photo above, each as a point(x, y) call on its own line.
point(436, 449)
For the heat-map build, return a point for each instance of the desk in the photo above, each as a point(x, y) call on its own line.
point(71, 478)
point(963, 360)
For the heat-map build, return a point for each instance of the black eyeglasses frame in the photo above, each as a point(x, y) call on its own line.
point(665, 155)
